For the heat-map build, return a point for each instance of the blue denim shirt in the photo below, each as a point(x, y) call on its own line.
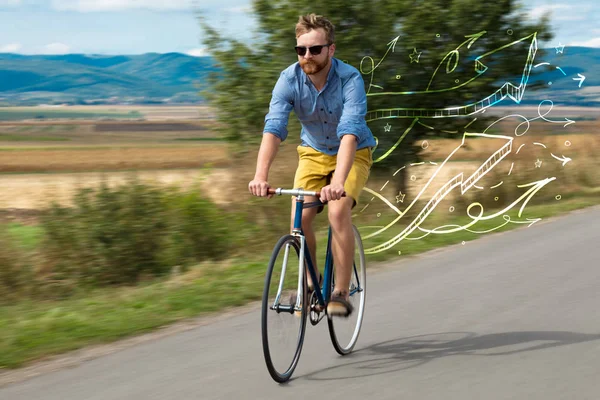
point(337, 110)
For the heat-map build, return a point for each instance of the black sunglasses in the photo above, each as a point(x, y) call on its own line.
point(314, 50)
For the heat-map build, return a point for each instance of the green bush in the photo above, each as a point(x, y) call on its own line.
point(15, 270)
point(198, 229)
point(115, 236)
point(110, 236)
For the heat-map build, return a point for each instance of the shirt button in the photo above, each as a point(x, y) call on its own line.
point(330, 148)
point(321, 109)
point(325, 121)
point(327, 137)
point(330, 112)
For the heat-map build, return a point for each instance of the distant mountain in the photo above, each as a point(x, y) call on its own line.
point(80, 79)
point(175, 78)
point(560, 78)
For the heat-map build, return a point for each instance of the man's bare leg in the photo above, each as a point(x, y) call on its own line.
point(342, 244)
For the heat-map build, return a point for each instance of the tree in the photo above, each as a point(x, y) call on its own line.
point(414, 55)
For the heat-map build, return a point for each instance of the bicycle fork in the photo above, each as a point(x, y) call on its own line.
point(299, 291)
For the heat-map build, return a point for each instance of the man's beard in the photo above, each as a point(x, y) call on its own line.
point(311, 67)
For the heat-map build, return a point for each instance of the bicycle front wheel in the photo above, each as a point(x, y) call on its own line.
point(344, 331)
point(283, 321)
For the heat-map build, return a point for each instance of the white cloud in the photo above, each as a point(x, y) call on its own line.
point(561, 12)
point(200, 52)
point(118, 5)
point(238, 9)
point(56, 48)
point(594, 42)
point(10, 48)
point(232, 6)
point(537, 12)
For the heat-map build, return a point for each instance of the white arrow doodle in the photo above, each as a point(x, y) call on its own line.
point(580, 79)
point(456, 228)
point(525, 197)
point(465, 184)
point(563, 159)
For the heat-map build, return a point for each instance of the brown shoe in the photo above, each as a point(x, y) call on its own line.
point(339, 306)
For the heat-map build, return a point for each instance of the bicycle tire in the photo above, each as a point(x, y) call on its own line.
point(278, 373)
point(359, 280)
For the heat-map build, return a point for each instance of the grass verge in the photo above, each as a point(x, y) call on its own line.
point(20, 138)
point(33, 330)
point(28, 236)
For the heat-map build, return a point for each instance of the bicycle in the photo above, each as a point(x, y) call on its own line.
point(285, 296)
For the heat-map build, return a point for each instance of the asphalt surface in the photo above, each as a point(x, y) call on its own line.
point(509, 316)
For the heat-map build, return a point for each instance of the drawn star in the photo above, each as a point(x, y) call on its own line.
point(387, 127)
point(538, 163)
point(400, 197)
point(414, 57)
point(560, 48)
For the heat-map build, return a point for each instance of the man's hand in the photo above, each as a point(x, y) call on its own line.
point(334, 191)
point(259, 187)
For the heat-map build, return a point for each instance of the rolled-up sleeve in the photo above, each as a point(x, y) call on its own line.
point(352, 121)
point(281, 105)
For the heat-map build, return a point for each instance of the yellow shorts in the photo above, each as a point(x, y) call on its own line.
point(315, 170)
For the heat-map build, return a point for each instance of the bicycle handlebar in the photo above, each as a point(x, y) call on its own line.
point(295, 192)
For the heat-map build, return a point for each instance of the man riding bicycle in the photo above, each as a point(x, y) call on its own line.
point(335, 154)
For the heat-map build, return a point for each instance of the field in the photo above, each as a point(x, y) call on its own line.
point(119, 112)
point(44, 161)
point(47, 160)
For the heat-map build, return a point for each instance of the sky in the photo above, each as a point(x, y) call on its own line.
point(162, 26)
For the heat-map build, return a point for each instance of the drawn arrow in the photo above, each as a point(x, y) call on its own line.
point(454, 55)
point(456, 228)
point(563, 159)
point(393, 44)
point(514, 91)
point(473, 38)
point(580, 79)
point(465, 184)
point(541, 115)
point(392, 48)
point(534, 187)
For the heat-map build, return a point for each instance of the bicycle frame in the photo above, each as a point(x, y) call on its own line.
point(323, 295)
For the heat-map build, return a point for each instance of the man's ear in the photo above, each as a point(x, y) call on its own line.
point(332, 50)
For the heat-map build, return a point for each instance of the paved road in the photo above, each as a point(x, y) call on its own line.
point(509, 316)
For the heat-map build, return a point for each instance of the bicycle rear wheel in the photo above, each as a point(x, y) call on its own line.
point(344, 331)
point(283, 320)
